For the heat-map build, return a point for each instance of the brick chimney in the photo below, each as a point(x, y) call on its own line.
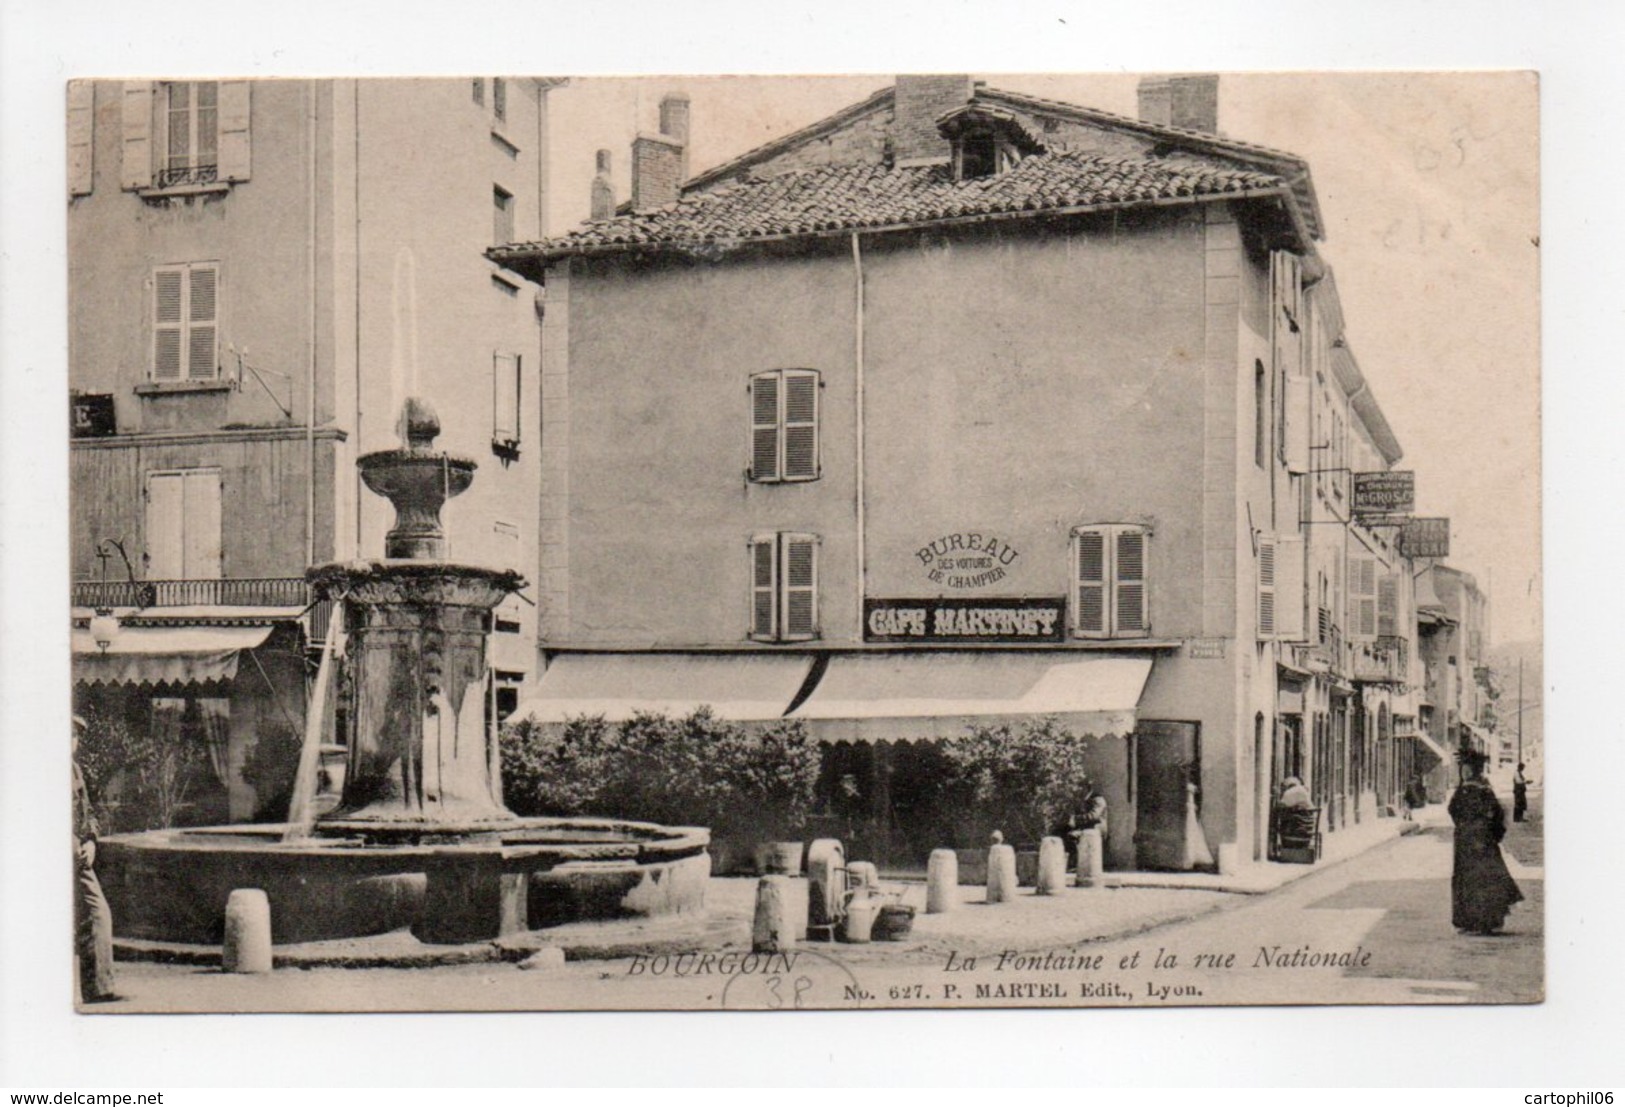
point(674, 124)
point(657, 166)
point(1190, 102)
point(919, 100)
point(603, 189)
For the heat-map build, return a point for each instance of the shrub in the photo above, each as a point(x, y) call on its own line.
point(698, 770)
point(138, 779)
point(1021, 780)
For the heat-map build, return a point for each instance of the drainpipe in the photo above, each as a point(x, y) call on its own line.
point(310, 346)
point(857, 359)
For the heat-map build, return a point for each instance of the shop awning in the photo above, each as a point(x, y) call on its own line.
point(1431, 746)
point(1097, 695)
point(740, 687)
point(164, 655)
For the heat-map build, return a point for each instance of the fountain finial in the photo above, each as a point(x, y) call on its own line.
point(420, 426)
point(417, 479)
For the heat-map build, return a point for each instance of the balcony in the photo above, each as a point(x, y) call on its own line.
point(254, 592)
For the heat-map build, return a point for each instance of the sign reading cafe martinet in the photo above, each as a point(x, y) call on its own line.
point(964, 620)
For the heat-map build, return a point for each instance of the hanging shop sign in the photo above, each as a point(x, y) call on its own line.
point(966, 559)
point(1384, 493)
point(965, 620)
point(1425, 538)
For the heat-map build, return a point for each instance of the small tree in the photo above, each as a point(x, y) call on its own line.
point(150, 774)
point(1021, 780)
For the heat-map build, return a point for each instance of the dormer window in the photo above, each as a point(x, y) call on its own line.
point(986, 141)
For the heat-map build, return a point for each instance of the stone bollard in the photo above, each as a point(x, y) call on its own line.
point(1001, 873)
point(1051, 866)
point(859, 923)
point(774, 928)
point(247, 946)
point(826, 887)
point(1091, 858)
point(942, 882)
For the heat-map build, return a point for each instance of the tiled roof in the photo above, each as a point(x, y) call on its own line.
point(833, 199)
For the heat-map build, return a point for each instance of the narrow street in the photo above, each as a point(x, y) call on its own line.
point(1375, 929)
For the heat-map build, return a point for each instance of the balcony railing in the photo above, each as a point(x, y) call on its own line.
point(183, 175)
point(252, 592)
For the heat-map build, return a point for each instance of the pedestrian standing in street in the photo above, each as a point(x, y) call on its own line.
point(1482, 891)
point(1520, 795)
point(92, 918)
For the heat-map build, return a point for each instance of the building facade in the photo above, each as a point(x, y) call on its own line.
point(960, 407)
point(259, 274)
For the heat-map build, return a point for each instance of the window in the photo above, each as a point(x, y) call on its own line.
point(1110, 584)
point(183, 525)
point(501, 215)
point(191, 118)
point(505, 386)
point(505, 619)
point(1280, 587)
point(185, 322)
point(784, 426)
point(499, 99)
point(784, 587)
point(1362, 597)
point(185, 135)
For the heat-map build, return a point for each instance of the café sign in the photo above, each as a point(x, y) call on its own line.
point(1385, 493)
point(954, 619)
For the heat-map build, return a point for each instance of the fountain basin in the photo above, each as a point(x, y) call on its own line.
point(448, 885)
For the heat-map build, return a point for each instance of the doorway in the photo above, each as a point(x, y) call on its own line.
point(1166, 758)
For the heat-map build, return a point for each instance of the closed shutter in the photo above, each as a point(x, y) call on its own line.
point(168, 323)
point(764, 587)
point(1388, 605)
point(764, 427)
point(202, 286)
point(1090, 560)
point(1129, 602)
point(800, 569)
point(1290, 596)
point(234, 152)
point(800, 425)
point(166, 526)
point(81, 137)
point(1297, 419)
point(136, 169)
point(505, 384)
point(1266, 587)
point(1362, 593)
point(202, 527)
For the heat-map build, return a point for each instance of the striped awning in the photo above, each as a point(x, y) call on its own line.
point(164, 655)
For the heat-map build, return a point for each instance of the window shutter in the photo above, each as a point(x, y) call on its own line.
point(505, 385)
point(1091, 617)
point(169, 293)
point(1130, 616)
point(1297, 419)
point(202, 532)
point(764, 427)
point(800, 568)
point(1362, 592)
point(166, 526)
point(1289, 588)
point(800, 425)
point(1388, 605)
point(202, 286)
point(136, 170)
point(234, 153)
point(1266, 587)
point(81, 137)
point(764, 587)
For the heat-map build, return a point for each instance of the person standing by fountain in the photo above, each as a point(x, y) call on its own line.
point(92, 918)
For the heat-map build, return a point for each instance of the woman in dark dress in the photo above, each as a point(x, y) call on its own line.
point(1482, 891)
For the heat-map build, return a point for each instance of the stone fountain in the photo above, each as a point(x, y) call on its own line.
point(421, 837)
